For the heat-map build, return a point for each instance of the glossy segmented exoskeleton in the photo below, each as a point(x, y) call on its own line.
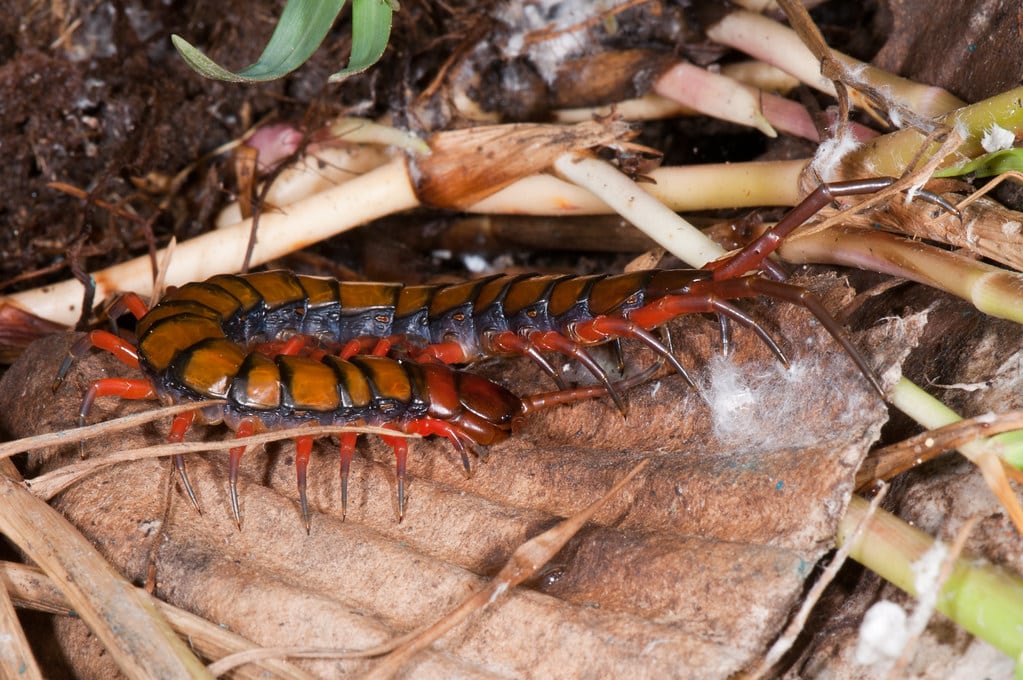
point(268, 391)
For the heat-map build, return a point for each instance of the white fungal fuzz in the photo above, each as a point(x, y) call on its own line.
point(997, 138)
point(830, 153)
point(962, 129)
point(883, 635)
point(927, 582)
point(737, 394)
point(886, 628)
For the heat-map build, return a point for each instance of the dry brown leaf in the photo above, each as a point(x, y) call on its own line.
point(692, 571)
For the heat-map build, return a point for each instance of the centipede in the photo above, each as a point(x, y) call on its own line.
point(256, 390)
point(285, 349)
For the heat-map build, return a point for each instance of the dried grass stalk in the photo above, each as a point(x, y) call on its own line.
point(137, 637)
point(30, 588)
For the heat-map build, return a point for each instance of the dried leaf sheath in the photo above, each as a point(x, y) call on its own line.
point(468, 165)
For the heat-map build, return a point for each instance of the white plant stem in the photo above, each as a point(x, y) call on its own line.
point(761, 77)
point(766, 39)
point(713, 94)
point(625, 197)
point(321, 169)
point(680, 188)
point(388, 189)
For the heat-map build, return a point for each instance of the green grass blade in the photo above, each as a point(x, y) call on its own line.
point(988, 165)
point(371, 29)
point(302, 27)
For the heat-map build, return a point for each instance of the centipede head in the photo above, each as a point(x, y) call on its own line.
point(482, 410)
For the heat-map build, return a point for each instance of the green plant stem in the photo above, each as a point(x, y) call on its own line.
point(990, 289)
point(892, 154)
point(982, 598)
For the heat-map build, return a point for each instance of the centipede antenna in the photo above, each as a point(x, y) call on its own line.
point(739, 316)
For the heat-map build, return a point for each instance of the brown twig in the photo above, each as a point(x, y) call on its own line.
point(886, 463)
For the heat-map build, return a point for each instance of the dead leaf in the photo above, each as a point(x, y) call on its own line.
point(692, 571)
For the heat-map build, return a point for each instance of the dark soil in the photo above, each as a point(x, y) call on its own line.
point(94, 97)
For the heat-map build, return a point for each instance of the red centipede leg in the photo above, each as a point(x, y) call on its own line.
point(619, 355)
point(177, 434)
point(801, 296)
point(357, 346)
point(382, 348)
point(400, 446)
point(294, 345)
point(303, 451)
point(347, 450)
point(444, 352)
point(129, 302)
point(602, 328)
point(510, 342)
point(246, 428)
point(712, 297)
point(124, 351)
point(556, 342)
point(754, 254)
point(124, 388)
point(428, 426)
